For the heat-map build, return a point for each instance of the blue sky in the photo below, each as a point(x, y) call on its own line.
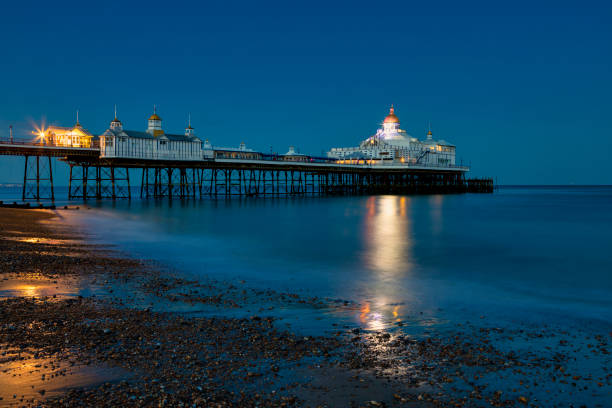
point(522, 88)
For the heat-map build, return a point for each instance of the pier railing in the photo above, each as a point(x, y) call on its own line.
point(340, 163)
point(95, 144)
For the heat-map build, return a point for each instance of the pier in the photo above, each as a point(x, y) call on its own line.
point(94, 177)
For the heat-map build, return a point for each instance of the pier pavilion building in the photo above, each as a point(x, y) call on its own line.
point(390, 143)
point(152, 144)
point(75, 136)
point(240, 152)
point(294, 156)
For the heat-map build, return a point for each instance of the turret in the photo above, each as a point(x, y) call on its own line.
point(391, 122)
point(189, 131)
point(154, 127)
point(116, 123)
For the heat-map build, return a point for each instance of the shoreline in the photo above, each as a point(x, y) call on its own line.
point(115, 331)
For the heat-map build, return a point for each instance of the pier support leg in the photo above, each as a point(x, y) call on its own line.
point(38, 179)
point(25, 178)
point(85, 170)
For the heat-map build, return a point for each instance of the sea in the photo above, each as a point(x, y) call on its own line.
point(524, 254)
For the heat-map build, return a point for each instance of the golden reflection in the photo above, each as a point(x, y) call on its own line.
point(27, 290)
point(42, 240)
point(25, 376)
point(365, 310)
point(388, 254)
point(402, 207)
point(38, 287)
point(395, 309)
point(388, 235)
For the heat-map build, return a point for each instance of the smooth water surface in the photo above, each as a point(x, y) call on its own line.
point(521, 255)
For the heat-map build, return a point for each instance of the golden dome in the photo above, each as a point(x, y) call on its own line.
point(391, 118)
point(154, 117)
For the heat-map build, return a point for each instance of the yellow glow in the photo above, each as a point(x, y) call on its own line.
point(28, 290)
point(66, 137)
point(389, 235)
point(365, 310)
point(388, 255)
point(395, 309)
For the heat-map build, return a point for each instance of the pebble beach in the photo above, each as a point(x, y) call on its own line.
point(84, 325)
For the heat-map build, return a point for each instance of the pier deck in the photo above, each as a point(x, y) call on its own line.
point(93, 177)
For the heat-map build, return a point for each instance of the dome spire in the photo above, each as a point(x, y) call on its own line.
point(189, 131)
point(116, 119)
point(391, 118)
point(154, 116)
point(116, 123)
point(429, 133)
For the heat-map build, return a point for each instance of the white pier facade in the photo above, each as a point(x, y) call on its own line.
point(390, 143)
point(153, 144)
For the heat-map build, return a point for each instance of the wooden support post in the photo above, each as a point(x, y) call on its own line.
point(170, 185)
point(51, 180)
point(37, 177)
point(25, 178)
point(70, 184)
point(228, 182)
point(85, 171)
point(113, 192)
point(213, 181)
point(286, 182)
point(129, 188)
point(142, 181)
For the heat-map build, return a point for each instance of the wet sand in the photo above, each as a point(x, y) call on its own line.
point(81, 325)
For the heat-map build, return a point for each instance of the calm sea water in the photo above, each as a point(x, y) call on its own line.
point(523, 255)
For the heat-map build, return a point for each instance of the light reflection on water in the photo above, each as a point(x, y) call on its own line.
point(421, 259)
point(28, 380)
point(38, 286)
point(42, 240)
point(388, 254)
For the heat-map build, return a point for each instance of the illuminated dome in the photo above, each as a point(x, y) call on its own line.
point(154, 117)
point(391, 118)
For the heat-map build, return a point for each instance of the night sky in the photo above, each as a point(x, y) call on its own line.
point(523, 89)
